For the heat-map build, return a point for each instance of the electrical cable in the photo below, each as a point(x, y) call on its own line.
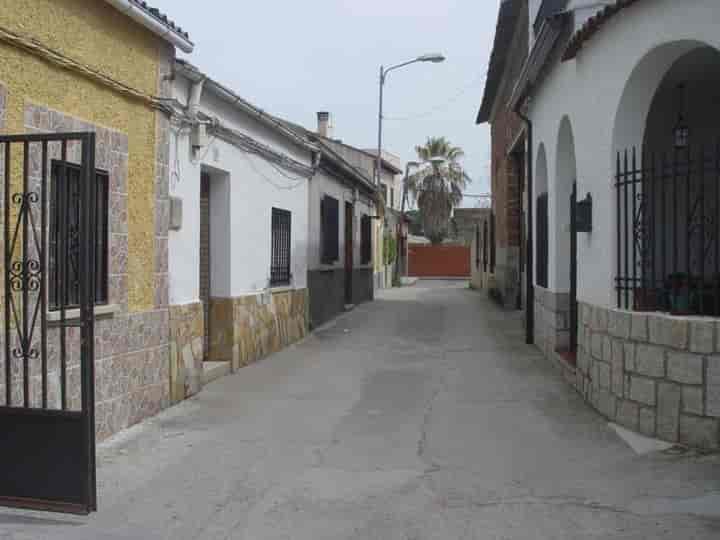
point(440, 107)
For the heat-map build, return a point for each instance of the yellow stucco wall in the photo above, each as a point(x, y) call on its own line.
point(95, 34)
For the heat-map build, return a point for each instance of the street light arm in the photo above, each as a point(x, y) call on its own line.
point(398, 66)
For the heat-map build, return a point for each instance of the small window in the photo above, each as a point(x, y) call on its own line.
point(281, 242)
point(365, 240)
point(392, 198)
point(329, 229)
point(385, 194)
point(64, 263)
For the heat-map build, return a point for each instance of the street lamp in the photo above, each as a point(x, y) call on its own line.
point(434, 58)
point(435, 160)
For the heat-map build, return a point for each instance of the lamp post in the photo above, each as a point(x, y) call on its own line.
point(413, 164)
point(435, 58)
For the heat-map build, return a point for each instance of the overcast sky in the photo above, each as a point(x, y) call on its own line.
point(296, 58)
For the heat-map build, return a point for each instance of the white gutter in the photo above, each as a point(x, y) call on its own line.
point(152, 24)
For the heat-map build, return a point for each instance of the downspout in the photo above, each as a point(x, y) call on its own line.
point(196, 91)
point(529, 258)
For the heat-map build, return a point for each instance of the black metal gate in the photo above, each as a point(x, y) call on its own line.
point(573, 271)
point(47, 421)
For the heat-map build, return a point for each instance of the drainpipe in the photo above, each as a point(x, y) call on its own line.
point(194, 101)
point(529, 258)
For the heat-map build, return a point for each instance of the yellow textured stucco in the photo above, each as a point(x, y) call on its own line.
point(93, 33)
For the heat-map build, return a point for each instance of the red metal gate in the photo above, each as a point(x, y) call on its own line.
point(451, 261)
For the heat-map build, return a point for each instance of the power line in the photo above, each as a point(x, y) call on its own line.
point(464, 90)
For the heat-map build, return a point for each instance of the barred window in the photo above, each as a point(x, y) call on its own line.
point(64, 237)
point(281, 243)
point(330, 229)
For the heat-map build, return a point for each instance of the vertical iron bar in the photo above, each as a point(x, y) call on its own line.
point(62, 191)
point(689, 229)
point(8, 291)
point(88, 233)
point(627, 241)
point(618, 279)
point(716, 214)
point(701, 284)
point(675, 226)
point(43, 270)
point(634, 231)
point(24, 209)
point(663, 223)
point(652, 195)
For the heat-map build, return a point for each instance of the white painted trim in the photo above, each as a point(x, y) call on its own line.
point(71, 314)
point(152, 24)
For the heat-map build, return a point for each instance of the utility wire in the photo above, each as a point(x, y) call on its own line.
point(441, 106)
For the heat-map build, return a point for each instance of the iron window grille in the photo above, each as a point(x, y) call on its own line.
point(365, 239)
point(281, 244)
point(668, 231)
point(65, 223)
point(330, 229)
point(541, 256)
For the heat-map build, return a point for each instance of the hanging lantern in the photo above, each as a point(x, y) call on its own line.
point(681, 132)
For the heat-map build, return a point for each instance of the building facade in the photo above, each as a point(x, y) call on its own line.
point(622, 100)
point(508, 153)
point(53, 82)
point(238, 236)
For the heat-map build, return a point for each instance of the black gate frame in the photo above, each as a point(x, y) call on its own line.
point(48, 453)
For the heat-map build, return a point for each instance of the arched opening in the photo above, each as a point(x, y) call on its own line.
point(541, 219)
point(668, 183)
point(565, 176)
point(565, 255)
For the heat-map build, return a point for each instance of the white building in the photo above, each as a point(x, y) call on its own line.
point(239, 238)
point(341, 210)
point(611, 91)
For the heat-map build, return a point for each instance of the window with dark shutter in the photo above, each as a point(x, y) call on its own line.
point(385, 193)
point(281, 243)
point(365, 240)
point(392, 198)
point(64, 237)
point(330, 229)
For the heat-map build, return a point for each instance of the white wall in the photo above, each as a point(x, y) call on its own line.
point(244, 189)
point(324, 184)
point(590, 91)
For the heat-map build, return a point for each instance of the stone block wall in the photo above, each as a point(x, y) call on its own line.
point(248, 328)
point(651, 372)
point(187, 326)
point(552, 320)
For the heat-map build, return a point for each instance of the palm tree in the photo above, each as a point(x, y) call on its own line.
point(438, 189)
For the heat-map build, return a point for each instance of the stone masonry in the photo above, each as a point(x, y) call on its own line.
point(131, 348)
point(651, 372)
point(552, 320)
point(246, 329)
point(186, 350)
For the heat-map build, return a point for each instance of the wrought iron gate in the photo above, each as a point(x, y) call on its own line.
point(47, 421)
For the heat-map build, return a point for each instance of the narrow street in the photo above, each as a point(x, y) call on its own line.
point(419, 416)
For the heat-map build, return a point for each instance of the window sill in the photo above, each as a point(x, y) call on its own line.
point(108, 310)
point(277, 289)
